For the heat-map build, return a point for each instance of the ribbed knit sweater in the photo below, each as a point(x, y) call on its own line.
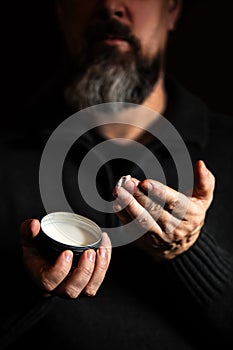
point(185, 303)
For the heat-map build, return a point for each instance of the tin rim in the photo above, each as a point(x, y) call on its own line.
point(82, 222)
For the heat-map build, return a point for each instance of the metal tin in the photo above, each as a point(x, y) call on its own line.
point(67, 231)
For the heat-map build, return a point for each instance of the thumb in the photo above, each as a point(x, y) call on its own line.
point(204, 183)
point(29, 229)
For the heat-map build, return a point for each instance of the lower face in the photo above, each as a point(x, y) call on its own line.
point(113, 67)
point(111, 71)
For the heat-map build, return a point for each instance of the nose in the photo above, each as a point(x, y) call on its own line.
point(112, 9)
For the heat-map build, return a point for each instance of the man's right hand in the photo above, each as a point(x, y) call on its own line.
point(61, 278)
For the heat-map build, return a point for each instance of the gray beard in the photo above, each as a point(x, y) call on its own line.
point(114, 77)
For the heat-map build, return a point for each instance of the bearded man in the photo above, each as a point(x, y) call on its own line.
point(171, 284)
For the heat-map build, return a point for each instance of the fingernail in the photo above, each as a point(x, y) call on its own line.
point(117, 207)
point(103, 252)
point(150, 186)
point(106, 242)
point(91, 255)
point(35, 225)
point(129, 186)
point(68, 256)
point(147, 185)
point(123, 180)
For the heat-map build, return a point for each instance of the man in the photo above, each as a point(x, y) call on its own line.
point(172, 287)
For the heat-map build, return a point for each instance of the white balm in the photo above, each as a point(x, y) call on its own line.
point(70, 234)
point(123, 180)
point(71, 229)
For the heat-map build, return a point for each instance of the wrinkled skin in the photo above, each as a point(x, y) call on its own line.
point(171, 228)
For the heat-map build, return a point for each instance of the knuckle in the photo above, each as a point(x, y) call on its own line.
point(169, 228)
point(197, 221)
point(139, 195)
point(85, 271)
point(173, 205)
point(130, 201)
point(179, 235)
point(154, 208)
point(102, 266)
point(142, 219)
point(183, 236)
point(48, 284)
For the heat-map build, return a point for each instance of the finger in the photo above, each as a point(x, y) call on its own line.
point(29, 229)
point(106, 243)
point(122, 214)
point(103, 256)
point(166, 221)
point(81, 275)
point(155, 209)
point(47, 276)
point(174, 202)
point(136, 181)
point(204, 183)
point(136, 211)
point(51, 276)
point(133, 231)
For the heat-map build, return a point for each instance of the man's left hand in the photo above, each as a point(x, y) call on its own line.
point(172, 220)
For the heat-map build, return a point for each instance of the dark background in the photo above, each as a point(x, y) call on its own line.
point(200, 52)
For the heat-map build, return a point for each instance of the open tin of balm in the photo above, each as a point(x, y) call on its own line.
point(62, 230)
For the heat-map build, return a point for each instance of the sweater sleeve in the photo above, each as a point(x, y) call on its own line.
point(22, 303)
point(205, 274)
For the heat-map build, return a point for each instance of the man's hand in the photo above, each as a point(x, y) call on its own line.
point(60, 278)
point(172, 221)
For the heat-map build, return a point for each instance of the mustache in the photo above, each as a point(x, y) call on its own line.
point(112, 28)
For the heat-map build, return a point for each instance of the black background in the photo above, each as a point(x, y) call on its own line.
point(199, 55)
